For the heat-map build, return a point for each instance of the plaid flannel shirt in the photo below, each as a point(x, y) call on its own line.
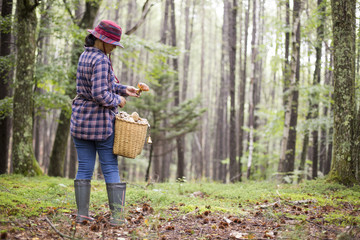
point(95, 106)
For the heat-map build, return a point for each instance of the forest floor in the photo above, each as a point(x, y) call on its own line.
point(44, 208)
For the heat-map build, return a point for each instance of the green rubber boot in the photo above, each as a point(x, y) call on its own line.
point(82, 196)
point(116, 195)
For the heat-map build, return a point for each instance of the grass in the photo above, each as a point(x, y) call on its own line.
point(23, 197)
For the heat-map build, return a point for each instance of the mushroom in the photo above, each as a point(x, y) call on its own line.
point(135, 116)
point(142, 87)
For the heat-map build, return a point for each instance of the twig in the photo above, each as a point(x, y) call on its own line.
point(57, 231)
point(5, 188)
point(322, 226)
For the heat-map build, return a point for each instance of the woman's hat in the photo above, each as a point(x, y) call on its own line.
point(109, 32)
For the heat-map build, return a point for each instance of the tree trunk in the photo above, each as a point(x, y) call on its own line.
point(201, 133)
point(24, 161)
point(286, 84)
point(60, 144)
point(43, 41)
point(304, 151)
point(72, 162)
point(324, 134)
point(287, 165)
point(253, 85)
point(188, 38)
point(5, 80)
point(232, 15)
point(242, 90)
point(147, 173)
point(295, 78)
point(126, 73)
point(221, 120)
point(317, 77)
point(329, 80)
point(158, 152)
point(343, 168)
point(180, 141)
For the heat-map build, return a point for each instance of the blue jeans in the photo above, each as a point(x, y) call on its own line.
point(86, 155)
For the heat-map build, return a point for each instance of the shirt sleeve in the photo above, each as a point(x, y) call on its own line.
point(101, 91)
point(120, 89)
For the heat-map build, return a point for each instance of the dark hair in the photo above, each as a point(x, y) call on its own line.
point(90, 40)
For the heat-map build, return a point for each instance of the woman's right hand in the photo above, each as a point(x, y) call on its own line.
point(123, 102)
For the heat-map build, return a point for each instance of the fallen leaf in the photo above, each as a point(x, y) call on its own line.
point(238, 235)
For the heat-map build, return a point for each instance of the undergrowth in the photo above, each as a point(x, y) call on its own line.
point(23, 197)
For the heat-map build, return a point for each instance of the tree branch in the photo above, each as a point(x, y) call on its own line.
point(57, 231)
point(69, 11)
point(37, 2)
point(145, 11)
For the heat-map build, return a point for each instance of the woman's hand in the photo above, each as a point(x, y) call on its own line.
point(123, 102)
point(131, 91)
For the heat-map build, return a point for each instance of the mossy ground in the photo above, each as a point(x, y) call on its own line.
point(315, 209)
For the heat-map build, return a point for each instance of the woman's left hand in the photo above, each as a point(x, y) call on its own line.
point(131, 91)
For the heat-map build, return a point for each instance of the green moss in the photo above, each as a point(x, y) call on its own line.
point(32, 196)
point(339, 218)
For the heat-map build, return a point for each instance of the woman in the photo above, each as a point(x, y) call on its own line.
point(92, 120)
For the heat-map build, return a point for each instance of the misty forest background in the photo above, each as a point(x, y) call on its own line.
point(240, 89)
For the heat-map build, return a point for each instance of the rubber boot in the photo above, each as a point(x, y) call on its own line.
point(116, 195)
point(82, 195)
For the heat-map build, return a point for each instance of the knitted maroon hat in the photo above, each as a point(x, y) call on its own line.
point(109, 32)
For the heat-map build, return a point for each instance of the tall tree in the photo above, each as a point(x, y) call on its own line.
point(58, 154)
point(180, 141)
point(253, 86)
point(317, 77)
point(243, 88)
point(287, 165)
point(234, 175)
point(329, 81)
point(344, 164)
point(156, 149)
point(200, 135)
point(189, 24)
point(42, 59)
point(220, 152)
point(5, 51)
point(24, 161)
point(286, 84)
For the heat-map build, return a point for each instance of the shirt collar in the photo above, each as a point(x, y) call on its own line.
point(93, 49)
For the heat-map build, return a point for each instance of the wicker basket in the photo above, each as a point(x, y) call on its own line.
point(129, 137)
